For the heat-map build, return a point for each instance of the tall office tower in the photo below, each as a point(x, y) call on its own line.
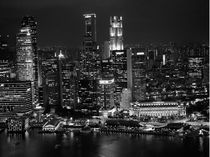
point(5, 71)
point(106, 93)
point(138, 74)
point(26, 47)
point(15, 98)
point(50, 79)
point(106, 85)
point(89, 55)
point(89, 65)
point(87, 100)
point(120, 72)
point(69, 84)
point(106, 69)
point(116, 33)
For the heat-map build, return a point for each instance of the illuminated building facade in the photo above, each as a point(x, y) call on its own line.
point(87, 95)
point(106, 69)
point(27, 59)
point(18, 124)
point(116, 33)
point(106, 94)
point(119, 59)
point(89, 56)
point(15, 97)
point(158, 109)
point(25, 55)
point(5, 71)
point(106, 84)
point(139, 74)
point(50, 77)
point(195, 67)
point(69, 84)
point(59, 79)
point(89, 65)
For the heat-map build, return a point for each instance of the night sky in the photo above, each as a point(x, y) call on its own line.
point(60, 22)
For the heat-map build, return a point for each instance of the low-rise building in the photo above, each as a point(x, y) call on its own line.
point(157, 109)
point(20, 124)
point(51, 125)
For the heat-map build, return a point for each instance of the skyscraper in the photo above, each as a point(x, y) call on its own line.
point(27, 59)
point(68, 83)
point(116, 33)
point(138, 74)
point(119, 58)
point(90, 27)
point(50, 79)
point(89, 55)
point(89, 65)
point(106, 85)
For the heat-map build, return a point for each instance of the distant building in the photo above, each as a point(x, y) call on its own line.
point(195, 67)
point(158, 109)
point(116, 33)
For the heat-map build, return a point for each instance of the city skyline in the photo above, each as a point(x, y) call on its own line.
point(104, 78)
point(60, 23)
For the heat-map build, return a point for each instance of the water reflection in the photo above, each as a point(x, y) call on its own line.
point(33, 144)
point(201, 144)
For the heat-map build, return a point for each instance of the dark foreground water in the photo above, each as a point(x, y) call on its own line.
point(101, 145)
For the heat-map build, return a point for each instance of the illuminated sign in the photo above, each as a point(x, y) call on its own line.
point(140, 53)
point(106, 81)
point(119, 53)
point(89, 15)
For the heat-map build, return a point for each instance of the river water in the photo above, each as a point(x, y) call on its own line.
point(101, 145)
